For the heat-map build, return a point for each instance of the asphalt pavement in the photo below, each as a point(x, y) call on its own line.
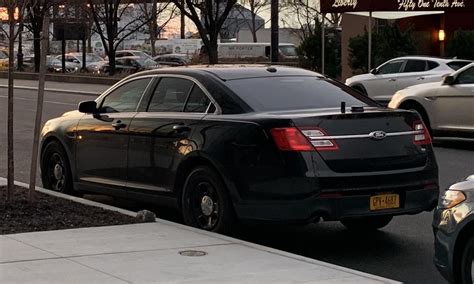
point(402, 251)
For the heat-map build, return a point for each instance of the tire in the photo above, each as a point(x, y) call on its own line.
point(206, 203)
point(467, 262)
point(55, 169)
point(367, 223)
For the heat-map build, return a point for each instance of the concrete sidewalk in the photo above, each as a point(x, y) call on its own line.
point(161, 252)
point(71, 88)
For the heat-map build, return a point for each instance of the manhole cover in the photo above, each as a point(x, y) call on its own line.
point(192, 253)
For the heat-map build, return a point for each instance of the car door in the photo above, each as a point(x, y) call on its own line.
point(102, 139)
point(385, 81)
point(160, 134)
point(454, 104)
point(414, 73)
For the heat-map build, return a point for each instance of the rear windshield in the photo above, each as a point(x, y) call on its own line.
point(456, 65)
point(290, 93)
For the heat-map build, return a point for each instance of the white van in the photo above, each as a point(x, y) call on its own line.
point(255, 50)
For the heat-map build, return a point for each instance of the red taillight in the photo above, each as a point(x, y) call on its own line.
point(290, 139)
point(294, 139)
point(422, 135)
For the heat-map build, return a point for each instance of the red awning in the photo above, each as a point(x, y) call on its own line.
point(343, 6)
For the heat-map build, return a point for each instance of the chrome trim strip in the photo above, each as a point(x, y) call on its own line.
point(358, 136)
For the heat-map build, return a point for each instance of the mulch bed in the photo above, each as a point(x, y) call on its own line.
point(52, 213)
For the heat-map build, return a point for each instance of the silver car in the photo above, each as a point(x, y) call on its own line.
point(396, 74)
point(447, 107)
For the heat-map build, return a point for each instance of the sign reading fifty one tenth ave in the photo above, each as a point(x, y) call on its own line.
point(343, 6)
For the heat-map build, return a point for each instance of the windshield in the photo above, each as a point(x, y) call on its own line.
point(295, 92)
point(145, 61)
point(288, 50)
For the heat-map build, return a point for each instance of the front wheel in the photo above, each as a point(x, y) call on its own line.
point(55, 169)
point(367, 223)
point(467, 262)
point(205, 202)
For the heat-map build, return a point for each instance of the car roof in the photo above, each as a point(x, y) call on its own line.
point(426, 57)
point(234, 72)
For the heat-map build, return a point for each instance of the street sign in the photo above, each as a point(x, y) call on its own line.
point(69, 31)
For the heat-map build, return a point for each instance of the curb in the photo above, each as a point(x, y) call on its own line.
point(85, 93)
point(3, 182)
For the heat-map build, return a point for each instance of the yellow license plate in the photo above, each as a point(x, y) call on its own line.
point(384, 201)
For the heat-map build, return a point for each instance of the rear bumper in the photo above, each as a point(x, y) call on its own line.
point(333, 208)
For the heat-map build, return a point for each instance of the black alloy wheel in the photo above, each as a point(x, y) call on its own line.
point(371, 223)
point(55, 169)
point(467, 262)
point(205, 201)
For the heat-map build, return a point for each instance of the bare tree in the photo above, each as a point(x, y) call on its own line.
point(13, 10)
point(35, 13)
point(306, 15)
point(209, 17)
point(255, 7)
point(107, 15)
point(152, 14)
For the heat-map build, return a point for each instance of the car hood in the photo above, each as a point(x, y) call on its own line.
point(415, 89)
point(358, 78)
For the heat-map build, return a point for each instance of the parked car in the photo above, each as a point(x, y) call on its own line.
point(55, 65)
point(3, 59)
point(172, 59)
point(129, 52)
point(453, 227)
point(273, 144)
point(233, 50)
point(131, 64)
point(396, 74)
point(93, 61)
point(446, 107)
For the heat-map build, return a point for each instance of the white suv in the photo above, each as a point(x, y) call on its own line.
point(396, 74)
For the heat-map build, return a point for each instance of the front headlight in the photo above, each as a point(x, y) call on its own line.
point(452, 198)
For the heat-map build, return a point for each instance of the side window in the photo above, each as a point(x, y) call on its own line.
point(125, 98)
point(466, 77)
point(432, 65)
point(170, 95)
point(415, 66)
point(391, 67)
point(198, 101)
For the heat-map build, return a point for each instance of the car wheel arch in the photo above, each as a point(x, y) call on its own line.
point(196, 160)
point(463, 236)
point(51, 138)
point(359, 87)
point(415, 105)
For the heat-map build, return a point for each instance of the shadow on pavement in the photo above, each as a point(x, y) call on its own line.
point(454, 143)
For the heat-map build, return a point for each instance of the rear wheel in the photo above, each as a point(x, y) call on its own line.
point(367, 223)
point(467, 262)
point(205, 202)
point(55, 169)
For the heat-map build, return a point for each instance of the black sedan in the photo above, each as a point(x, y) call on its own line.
point(259, 143)
point(453, 226)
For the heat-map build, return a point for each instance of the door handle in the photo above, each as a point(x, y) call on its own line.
point(181, 128)
point(421, 78)
point(118, 125)
point(392, 80)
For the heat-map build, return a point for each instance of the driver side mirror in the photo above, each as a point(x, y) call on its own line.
point(374, 71)
point(88, 107)
point(449, 80)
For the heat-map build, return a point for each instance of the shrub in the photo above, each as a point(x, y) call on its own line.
point(461, 45)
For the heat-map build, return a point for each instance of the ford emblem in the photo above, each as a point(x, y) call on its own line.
point(377, 135)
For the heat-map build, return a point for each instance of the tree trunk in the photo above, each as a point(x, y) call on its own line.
point(254, 27)
point(37, 46)
point(212, 50)
point(154, 27)
point(39, 110)
point(10, 148)
point(111, 55)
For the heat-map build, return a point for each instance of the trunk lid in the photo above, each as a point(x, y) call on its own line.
point(372, 140)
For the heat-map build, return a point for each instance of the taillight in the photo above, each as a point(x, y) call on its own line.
point(294, 139)
point(290, 139)
point(422, 135)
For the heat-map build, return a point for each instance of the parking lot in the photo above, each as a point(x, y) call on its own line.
point(402, 251)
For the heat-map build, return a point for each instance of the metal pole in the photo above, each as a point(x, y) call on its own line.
point(323, 44)
point(370, 42)
point(274, 32)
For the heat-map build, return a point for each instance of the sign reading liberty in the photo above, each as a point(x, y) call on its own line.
point(345, 3)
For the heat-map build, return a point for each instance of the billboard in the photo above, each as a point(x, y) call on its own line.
point(343, 6)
